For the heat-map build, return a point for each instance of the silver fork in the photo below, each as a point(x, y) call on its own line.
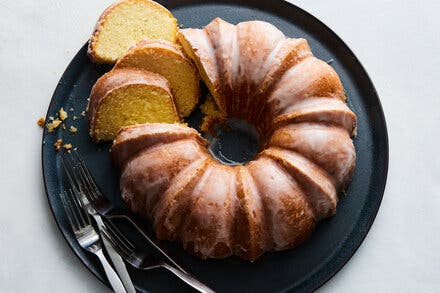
point(144, 261)
point(76, 183)
point(106, 208)
point(83, 180)
point(86, 235)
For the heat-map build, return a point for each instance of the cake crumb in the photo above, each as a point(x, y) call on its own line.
point(74, 117)
point(212, 116)
point(41, 121)
point(71, 109)
point(62, 114)
point(73, 129)
point(58, 144)
point(63, 126)
point(83, 113)
point(67, 146)
point(51, 126)
point(51, 118)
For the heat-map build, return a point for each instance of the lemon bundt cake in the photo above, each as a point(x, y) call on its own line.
point(167, 60)
point(126, 23)
point(273, 202)
point(129, 96)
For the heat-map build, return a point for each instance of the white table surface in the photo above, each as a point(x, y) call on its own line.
point(397, 41)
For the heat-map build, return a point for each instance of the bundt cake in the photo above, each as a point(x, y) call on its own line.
point(126, 23)
point(167, 60)
point(273, 202)
point(129, 96)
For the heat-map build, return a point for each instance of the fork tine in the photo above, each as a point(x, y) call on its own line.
point(87, 178)
point(121, 251)
point(118, 234)
point(69, 212)
point(82, 215)
point(74, 169)
point(85, 186)
point(68, 168)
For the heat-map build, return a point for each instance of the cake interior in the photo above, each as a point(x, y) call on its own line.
point(132, 22)
point(132, 105)
point(179, 74)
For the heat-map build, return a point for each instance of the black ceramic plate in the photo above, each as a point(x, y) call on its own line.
point(334, 241)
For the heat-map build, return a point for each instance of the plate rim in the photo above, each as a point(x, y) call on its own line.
point(322, 276)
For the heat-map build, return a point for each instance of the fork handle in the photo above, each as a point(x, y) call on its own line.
point(188, 279)
point(112, 277)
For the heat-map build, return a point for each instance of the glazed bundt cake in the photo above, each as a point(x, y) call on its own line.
point(168, 60)
point(273, 202)
point(126, 23)
point(129, 96)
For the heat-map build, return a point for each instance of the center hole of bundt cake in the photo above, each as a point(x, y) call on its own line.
point(236, 143)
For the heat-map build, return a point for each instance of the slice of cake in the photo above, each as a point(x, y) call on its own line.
point(125, 23)
point(128, 96)
point(167, 60)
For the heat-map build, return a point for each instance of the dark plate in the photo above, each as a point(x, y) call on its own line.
point(334, 241)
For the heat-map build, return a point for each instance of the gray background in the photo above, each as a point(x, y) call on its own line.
point(398, 42)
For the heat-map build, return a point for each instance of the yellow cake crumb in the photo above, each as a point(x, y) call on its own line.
point(62, 114)
point(212, 115)
point(41, 121)
point(51, 126)
point(73, 129)
point(67, 146)
point(58, 144)
point(209, 107)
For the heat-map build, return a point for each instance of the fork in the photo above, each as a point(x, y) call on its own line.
point(144, 261)
point(87, 237)
point(103, 206)
point(115, 258)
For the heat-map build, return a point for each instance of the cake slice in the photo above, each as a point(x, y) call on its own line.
point(125, 97)
point(126, 23)
point(168, 60)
